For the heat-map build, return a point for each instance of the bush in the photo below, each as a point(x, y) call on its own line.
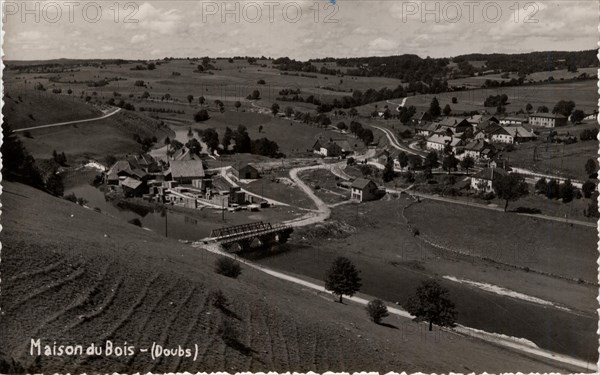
point(137, 222)
point(71, 198)
point(377, 310)
point(217, 299)
point(588, 188)
point(227, 267)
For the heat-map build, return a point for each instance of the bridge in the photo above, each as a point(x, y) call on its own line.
point(244, 235)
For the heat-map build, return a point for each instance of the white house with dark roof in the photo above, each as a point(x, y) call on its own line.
point(437, 142)
point(363, 190)
point(547, 120)
point(484, 179)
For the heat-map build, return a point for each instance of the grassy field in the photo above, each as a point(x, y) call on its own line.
point(24, 109)
point(74, 284)
point(553, 158)
point(583, 93)
point(477, 82)
point(393, 263)
point(110, 136)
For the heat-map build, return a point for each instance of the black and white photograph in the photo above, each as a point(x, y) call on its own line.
point(295, 186)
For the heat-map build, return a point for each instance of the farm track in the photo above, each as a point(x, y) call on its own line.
point(115, 111)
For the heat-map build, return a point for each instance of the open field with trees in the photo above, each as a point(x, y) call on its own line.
point(75, 283)
point(377, 240)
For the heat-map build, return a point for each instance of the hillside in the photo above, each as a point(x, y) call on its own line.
point(110, 136)
point(73, 275)
point(27, 108)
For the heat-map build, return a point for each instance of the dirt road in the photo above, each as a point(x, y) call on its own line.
point(71, 122)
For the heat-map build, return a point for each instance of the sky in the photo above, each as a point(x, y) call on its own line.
point(301, 29)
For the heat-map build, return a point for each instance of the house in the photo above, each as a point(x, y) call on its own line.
point(143, 162)
point(424, 117)
point(513, 120)
point(363, 190)
point(454, 124)
point(184, 171)
point(484, 179)
point(244, 171)
point(121, 170)
point(132, 187)
point(512, 134)
point(547, 120)
point(478, 149)
point(333, 148)
point(426, 128)
point(437, 142)
point(476, 120)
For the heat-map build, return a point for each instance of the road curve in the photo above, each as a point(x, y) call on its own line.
point(70, 122)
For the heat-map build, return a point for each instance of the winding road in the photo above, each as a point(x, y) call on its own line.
point(111, 113)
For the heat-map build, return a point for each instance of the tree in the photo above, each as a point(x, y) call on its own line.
point(467, 163)
point(447, 109)
point(454, 100)
point(590, 167)
point(510, 188)
point(243, 143)
point(388, 171)
point(211, 138)
point(403, 159)
point(341, 125)
point(592, 210)
point(431, 303)
point(541, 186)
point(543, 109)
point(227, 267)
point(190, 98)
point(377, 310)
point(564, 107)
point(275, 109)
point(353, 112)
point(194, 146)
point(17, 164)
point(588, 188)
point(237, 105)
point(434, 108)
point(201, 100)
point(577, 116)
point(450, 163)
point(566, 191)
point(528, 107)
point(289, 111)
point(366, 135)
point(201, 115)
point(226, 141)
point(342, 278)
point(415, 161)
point(255, 95)
point(431, 160)
point(552, 189)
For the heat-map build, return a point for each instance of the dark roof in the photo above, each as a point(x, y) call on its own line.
point(477, 145)
point(548, 115)
point(186, 168)
point(490, 173)
point(361, 183)
point(453, 122)
point(241, 165)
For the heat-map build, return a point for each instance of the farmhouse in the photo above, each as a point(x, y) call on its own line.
point(454, 124)
point(132, 187)
point(424, 117)
point(476, 120)
point(426, 128)
point(437, 142)
point(547, 120)
point(478, 149)
point(184, 171)
point(484, 179)
point(333, 148)
point(512, 134)
point(121, 170)
point(244, 171)
point(363, 190)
